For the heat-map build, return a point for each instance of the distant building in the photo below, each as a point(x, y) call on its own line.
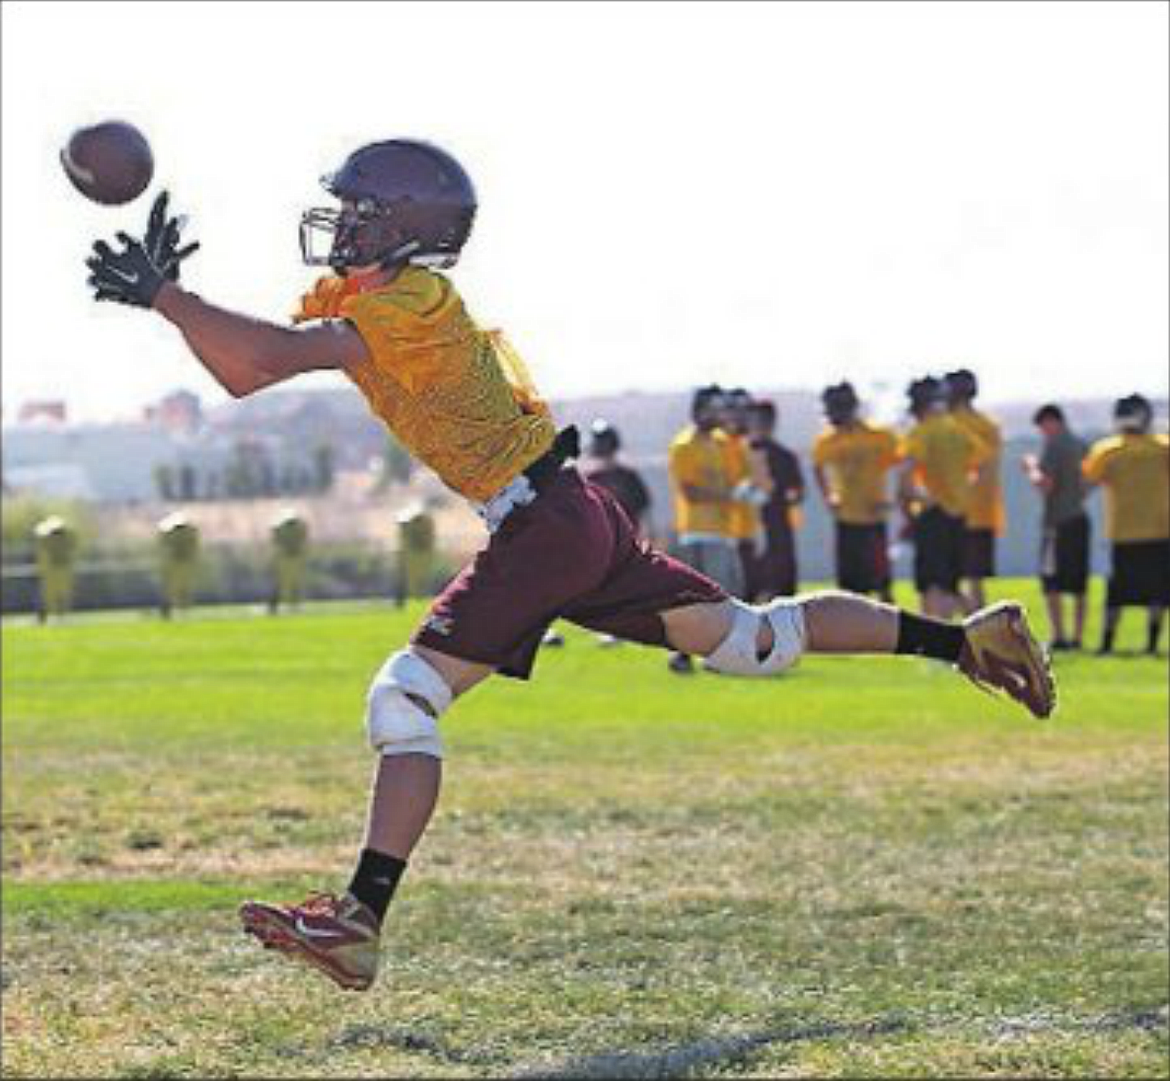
point(180, 411)
point(112, 462)
point(43, 411)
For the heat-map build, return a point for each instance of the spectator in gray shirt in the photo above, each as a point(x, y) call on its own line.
point(1064, 548)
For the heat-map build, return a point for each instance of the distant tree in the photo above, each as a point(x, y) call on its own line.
point(287, 484)
point(323, 467)
point(187, 482)
point(397, 464)
point(164, 481)
point(267, 478)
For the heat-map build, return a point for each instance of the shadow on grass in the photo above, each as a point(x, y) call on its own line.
point(695, 1057)
point(690, 1058)
point(675, 1062)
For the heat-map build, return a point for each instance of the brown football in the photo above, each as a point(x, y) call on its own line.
point(110, 163)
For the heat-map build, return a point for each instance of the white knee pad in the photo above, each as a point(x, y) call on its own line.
point(395, 723)
point(736, 655)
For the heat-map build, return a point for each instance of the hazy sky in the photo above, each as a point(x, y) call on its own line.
point(778, 195)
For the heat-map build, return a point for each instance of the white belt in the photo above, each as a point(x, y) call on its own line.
point(516, 493)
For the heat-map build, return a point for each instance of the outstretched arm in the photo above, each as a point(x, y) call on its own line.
point(246, 354)
point(242, 353)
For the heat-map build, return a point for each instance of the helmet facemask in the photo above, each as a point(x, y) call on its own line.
point(360, 233)
point(365, 232)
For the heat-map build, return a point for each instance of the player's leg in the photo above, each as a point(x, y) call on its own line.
point(1070, 546)
point(340, 934)
point(1154, 627)
point(937, 563)
point(974, 597)
point(718, 561)
point(1054, 603)
point(1080, 611)
point(941, 603)
point(1118, 593)
point(1109, 629)
point(490, 617)
point(1153, 584)
point(406, 783)
point(993, 647)
point(654, 599)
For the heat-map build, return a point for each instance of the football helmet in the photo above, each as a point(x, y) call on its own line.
point(604, 440)
point(402, 201)
point(736, 403)
point(707, 406)
point(840, 402)
point(961, 385)
point(926, 395)
point(1133, 414)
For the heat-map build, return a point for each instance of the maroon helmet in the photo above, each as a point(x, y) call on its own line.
point(403, 201)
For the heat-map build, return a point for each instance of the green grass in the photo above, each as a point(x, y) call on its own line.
point(865, 868)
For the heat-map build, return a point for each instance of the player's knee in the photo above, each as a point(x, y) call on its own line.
point(739, 653)
point(405, 700)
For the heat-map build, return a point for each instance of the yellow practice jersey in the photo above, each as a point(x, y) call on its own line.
point(701, 459)
point(945, 457)
point(457, 397)
point(1134, 470)
point(743, 519)
point(986, 509)
point(857, 459)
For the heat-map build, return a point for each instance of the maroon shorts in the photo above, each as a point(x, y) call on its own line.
point(571, 554)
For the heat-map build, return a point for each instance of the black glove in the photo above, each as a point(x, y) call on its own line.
point(162, 239)
point(134, 275)
point(128, 276)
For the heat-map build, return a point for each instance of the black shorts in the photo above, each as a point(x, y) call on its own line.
point(979, 553)
point(938, 550)
point(1141, 573)
point(1064, 557)
point(863, 563)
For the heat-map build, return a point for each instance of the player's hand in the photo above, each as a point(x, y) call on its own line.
point(162, 239)
point(128, 276)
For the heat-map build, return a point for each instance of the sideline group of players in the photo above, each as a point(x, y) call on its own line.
point(737, 492)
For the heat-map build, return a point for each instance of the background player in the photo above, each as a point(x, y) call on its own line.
point(624, 483)
point(935, 489)
point(985, 518)
point(1133, 467)
point(774, 570)
point(748, 487)
point(459, 398)
point(1065, 527)
point(852, 459)
point(704, 468)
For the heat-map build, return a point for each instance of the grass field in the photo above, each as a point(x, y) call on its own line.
point(865, 868)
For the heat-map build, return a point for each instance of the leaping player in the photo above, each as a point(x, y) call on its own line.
point(459, 397)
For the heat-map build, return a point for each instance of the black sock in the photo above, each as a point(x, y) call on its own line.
point(929, 637)
point(1107, 642)
point(376, 879)
point(1154, 633)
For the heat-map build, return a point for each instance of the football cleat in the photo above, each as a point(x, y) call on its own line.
point(1001, 654)
point(338, 935)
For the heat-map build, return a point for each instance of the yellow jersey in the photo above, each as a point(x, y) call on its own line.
point(743, 518)
point(457, 397)
point(945, 456)
point(1134, 470)
point(856, 459)
point(702, 459)
point(986, 509)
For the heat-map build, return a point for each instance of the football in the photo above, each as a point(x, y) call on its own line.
point(110, 163)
